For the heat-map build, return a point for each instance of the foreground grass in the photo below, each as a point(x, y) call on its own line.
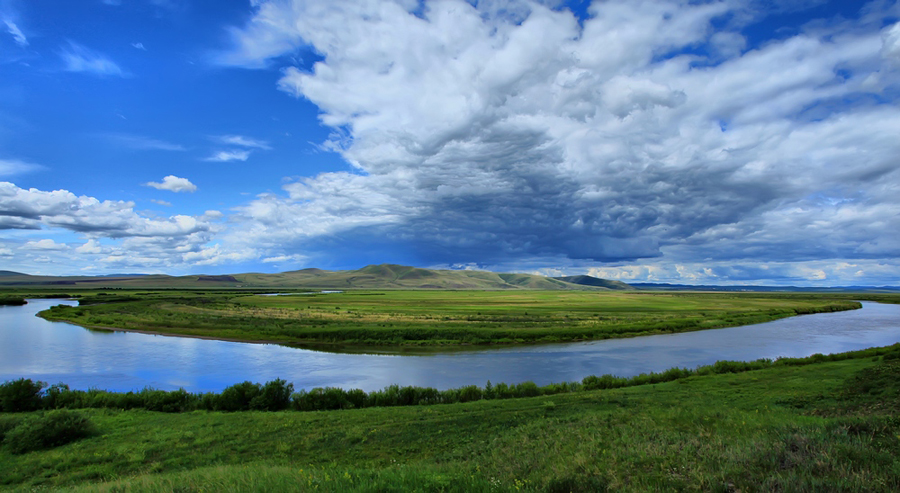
point(435, 318)
point(830, 426)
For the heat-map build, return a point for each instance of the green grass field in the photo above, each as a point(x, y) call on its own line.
point(434, 318)
point(830, 426)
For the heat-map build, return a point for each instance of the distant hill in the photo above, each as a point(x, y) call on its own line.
point(595, 281)
point(389, 276)
point(392, 276)
point(383, 276)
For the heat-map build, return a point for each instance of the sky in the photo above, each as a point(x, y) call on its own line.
point(695, 142)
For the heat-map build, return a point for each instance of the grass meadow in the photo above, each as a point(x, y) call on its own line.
point(433, 318)
point(819, 426)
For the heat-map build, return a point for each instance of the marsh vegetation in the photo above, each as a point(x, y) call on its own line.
point(433, 318)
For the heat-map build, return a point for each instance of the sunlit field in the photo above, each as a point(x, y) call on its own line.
point(439, 318)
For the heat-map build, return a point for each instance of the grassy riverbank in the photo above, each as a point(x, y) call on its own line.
point(12, 300)
point(817, 427)
point(434, 318)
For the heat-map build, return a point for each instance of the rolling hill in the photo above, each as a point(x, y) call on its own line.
point(383, 276)
point(595, 282)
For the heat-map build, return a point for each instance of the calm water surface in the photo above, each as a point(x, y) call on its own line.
point(59, 352)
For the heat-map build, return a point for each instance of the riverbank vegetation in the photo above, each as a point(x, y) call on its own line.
point(824, 423)
point(433, 318)
point(24, 395)
point(12, 300)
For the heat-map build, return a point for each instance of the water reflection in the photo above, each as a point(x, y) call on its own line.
point(59, 352)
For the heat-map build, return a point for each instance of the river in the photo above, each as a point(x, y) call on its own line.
point(55, 352)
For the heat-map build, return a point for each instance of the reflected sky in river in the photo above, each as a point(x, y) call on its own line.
point(58, 352)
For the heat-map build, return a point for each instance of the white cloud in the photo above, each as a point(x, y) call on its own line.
point(242, 141)
point(225, 156)
point(116, 236)
point(214, 255)
point(807, 273)
point(139, 46)
point(78, 58)
point(35, 208)
point(510, 134)
point(45, 244)
point(161, 202)
point(481, 139)
point(16, 33)
point(891, 40)
point(284, 258)
point(91, 247)
point(173, 184)
point(10, 167)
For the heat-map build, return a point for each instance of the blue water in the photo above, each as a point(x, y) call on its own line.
point(59, 352)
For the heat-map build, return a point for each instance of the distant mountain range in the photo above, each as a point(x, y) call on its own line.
point(384, 276)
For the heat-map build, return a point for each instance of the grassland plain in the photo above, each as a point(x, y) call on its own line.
point(827, 426)
point(434, 318)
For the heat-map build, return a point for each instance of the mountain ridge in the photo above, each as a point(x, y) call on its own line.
point(376, 276)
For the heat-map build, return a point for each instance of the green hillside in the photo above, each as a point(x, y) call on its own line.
point(383, 276)
point(595, 282)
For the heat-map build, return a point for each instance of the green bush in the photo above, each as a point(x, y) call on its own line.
point(274, 396)
point(176, 401)
point(48, 430)
point(20, 395)
point(7, 423)
point(238, 396)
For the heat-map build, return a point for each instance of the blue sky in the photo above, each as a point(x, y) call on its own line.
point(699, 142)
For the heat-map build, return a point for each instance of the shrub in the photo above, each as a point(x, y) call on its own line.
point(593, 382)
point(321, 399)
point(7, 423)
point(527, 389)
point(357, 398)
point(176, 401)
point(238, 397)
point(274, 396)
point(57, 396)
point(48, 430)
point(20, 395)
point(470, 393)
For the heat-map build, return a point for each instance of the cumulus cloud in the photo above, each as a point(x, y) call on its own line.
point(161, 202)
point(78, 58)
point(114, 234)
point(225, 156)
point(540, 141)
point(173, 183)
point(44, 245)
point(33, 208)
point(91, 247)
